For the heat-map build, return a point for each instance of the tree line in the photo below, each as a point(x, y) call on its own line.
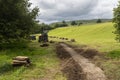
point(17, 20)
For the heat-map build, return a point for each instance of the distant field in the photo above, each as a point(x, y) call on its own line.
point(98, 36)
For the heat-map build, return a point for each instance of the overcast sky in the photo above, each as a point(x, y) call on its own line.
point(59, 10)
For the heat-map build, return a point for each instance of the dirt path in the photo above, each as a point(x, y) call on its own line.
point(90, 71)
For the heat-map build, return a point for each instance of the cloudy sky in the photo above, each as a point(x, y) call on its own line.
point(59, 10)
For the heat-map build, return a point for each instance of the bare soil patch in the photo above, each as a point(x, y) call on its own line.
point(87, 53)
point(76, 64)
point(69, 67)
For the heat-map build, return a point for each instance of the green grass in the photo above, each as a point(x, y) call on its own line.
point(111, 68)
point(98, 36)
point(115, 54)
point(45, 64)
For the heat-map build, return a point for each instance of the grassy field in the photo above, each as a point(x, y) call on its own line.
point(98, 36)
point(45, 64)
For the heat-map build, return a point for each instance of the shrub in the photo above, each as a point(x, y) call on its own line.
point(114, 54)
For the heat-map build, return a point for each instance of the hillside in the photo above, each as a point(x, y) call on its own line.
point(99, 36)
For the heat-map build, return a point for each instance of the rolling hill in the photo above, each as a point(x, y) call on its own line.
point(99, 36)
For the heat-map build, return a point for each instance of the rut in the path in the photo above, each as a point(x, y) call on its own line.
point(91, 71)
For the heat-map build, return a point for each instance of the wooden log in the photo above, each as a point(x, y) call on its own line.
point(17, 64)
point(20, 62)
point(21, 58)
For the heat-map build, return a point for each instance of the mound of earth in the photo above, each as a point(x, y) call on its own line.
point(75, 64)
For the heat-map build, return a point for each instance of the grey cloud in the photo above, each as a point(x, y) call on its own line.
point(47, 5)
point(77, 8)
point(57, 10)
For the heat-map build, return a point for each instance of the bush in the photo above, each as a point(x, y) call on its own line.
point(99, 21)
point(114, 54)
point(73, 23)
point(19, 44)
point(80, 23)
point(5, 67)
point(60, 25)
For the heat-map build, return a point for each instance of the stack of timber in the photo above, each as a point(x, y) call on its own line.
point(21, 61)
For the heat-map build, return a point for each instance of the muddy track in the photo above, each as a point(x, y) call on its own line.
point(77, 67)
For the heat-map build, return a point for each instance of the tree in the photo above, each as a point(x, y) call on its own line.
point(17, 20)
point(40, 28)
point(116, 20)
point(73, 23)
point(80, 23)
point(99, 21)
point(63, 22)
point(45, 27)
point(56, 25)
